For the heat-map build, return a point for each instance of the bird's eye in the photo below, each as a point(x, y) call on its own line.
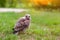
point(29, 16)
point(26, 16)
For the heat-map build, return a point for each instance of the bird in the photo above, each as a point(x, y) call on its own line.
point(22, 24)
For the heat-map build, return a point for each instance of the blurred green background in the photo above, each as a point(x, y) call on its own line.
point(45, 25)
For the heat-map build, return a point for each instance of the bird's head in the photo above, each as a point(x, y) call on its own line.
point(27, 16)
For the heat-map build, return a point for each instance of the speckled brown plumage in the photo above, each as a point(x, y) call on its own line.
point(22, 24)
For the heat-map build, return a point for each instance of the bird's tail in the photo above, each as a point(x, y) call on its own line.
point(14, 32)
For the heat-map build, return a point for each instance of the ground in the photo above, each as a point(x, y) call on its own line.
point(45, 25)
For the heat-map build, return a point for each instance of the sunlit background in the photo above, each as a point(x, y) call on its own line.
point(29, 3)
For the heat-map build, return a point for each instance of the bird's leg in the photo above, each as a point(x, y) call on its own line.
point(21, 32)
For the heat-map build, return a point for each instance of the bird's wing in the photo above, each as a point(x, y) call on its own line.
point(19, 24)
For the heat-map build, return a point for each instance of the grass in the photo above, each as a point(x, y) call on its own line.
point(44, 26)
